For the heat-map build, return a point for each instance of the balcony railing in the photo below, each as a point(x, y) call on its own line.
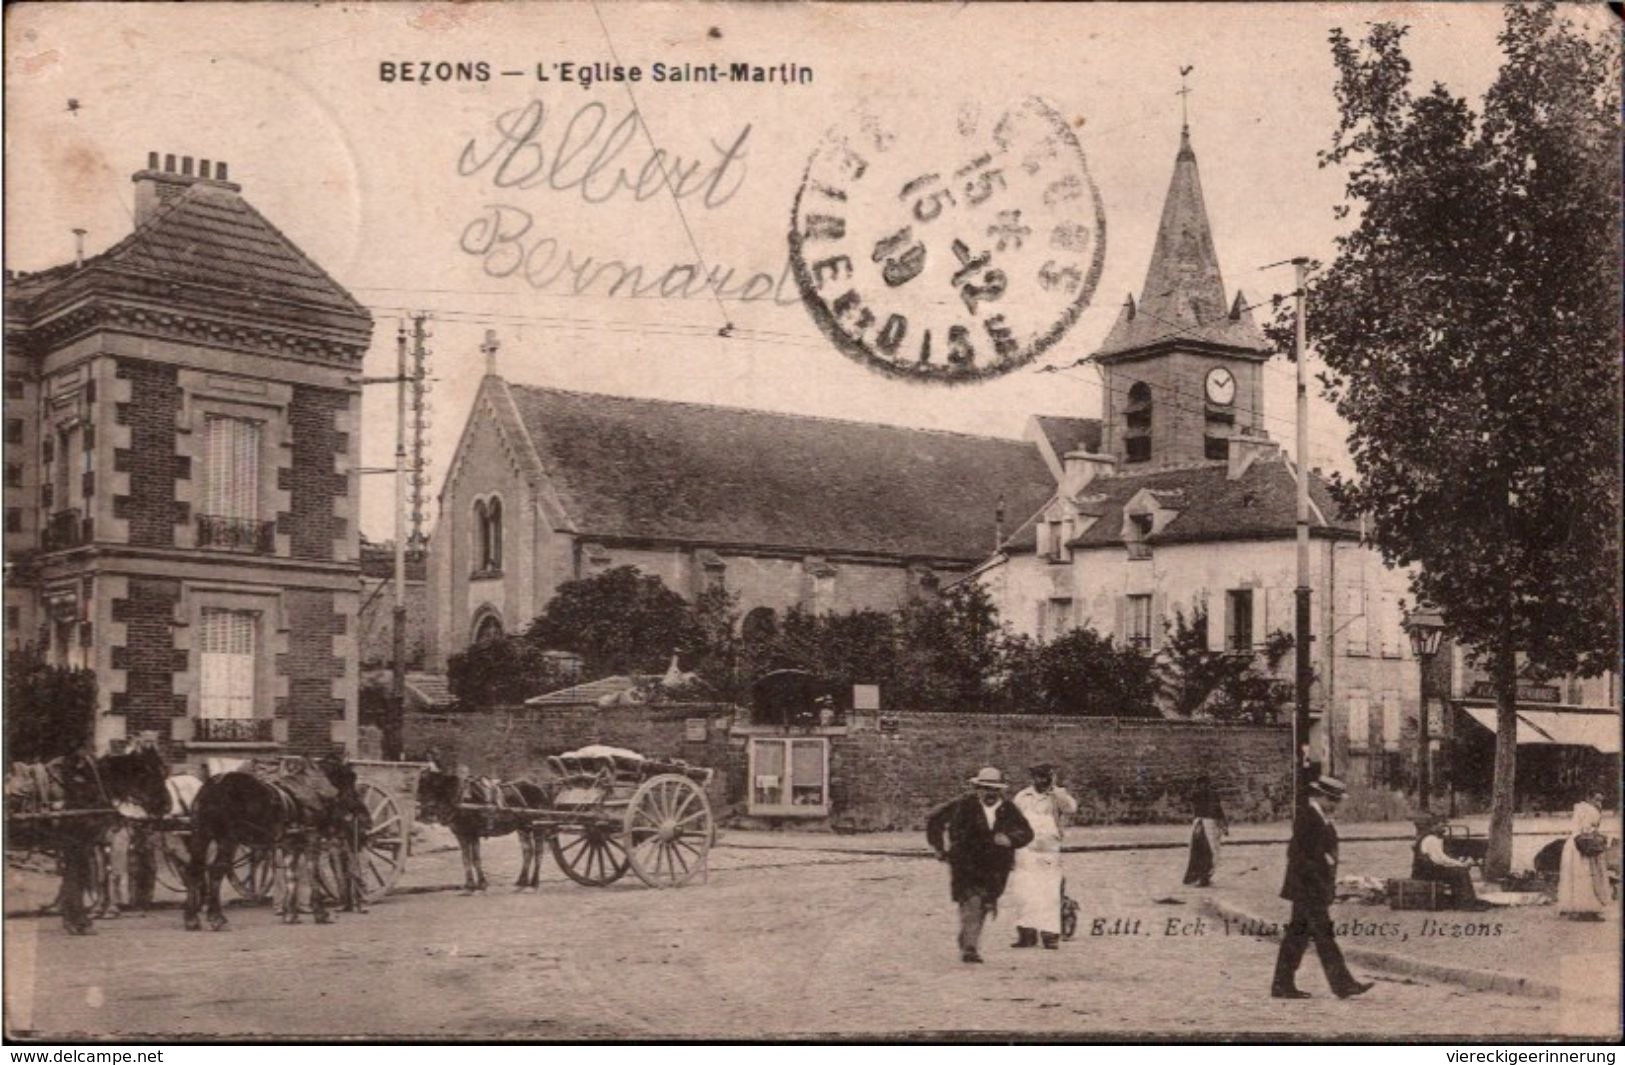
point(233, 730)
point(65, 529)
point(236, 534)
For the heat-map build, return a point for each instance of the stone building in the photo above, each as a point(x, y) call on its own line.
point(548, 486)
point(182, 431)
point(1189, 505)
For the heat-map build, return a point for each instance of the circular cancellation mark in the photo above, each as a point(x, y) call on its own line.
point(951, 254)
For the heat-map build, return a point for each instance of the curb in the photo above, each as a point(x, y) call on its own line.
point(1475, 979)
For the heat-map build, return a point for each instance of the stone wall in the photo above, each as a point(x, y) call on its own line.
point(889, 775)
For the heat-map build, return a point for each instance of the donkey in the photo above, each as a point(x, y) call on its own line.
point(291, 812)
point(443, 799)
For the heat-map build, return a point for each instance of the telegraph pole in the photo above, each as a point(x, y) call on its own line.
point(1305, 670)
point(397, 688)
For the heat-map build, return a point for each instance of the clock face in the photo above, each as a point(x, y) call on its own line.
point(1221, 386)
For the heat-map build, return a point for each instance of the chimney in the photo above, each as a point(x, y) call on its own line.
point(79, 248)
point(159, 184)
point(1246, 449)
point(1079, 469)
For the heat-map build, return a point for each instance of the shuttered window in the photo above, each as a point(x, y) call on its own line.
point(228, 641)
point(232, 488)
point(1391, 721)
point(1359, 721)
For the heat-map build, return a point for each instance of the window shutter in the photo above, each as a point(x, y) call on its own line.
point(1260, 609)
point(1122, 630)
point(1229, 621)
point(1359, 721)
point(1391, 722)
point(1216, 621)
point(1043, 616)
point(1383, 607)
point(1159, 610)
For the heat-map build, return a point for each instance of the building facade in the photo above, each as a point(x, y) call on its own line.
point(782, 511)
point(1189, 508)
point(182, 433)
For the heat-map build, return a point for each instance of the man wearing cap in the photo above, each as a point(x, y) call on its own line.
point(977, 835)
point(1311, 882)
point(1035, 879)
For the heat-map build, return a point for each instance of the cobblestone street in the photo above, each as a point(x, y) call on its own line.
point(779, 943)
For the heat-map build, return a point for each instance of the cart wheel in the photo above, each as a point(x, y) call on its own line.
point(381, 852)
point(668, 830)
point(589, 854)
point(253, 872)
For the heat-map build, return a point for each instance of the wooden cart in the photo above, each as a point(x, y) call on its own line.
point(612, 811)
point(389, 792)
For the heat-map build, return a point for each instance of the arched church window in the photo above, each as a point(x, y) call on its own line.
point(488, 536)
point(1137, 418)
point(488, 629)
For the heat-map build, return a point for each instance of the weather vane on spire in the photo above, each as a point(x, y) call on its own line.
point(1184, 97)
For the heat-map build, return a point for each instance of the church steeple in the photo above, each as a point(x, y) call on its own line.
point(1183, 364)
point(1184, 295)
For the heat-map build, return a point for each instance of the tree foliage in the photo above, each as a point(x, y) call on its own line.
point(1080, 674)
point(621, 621)
point(50, 710)
point(1470, 326)
point(501, 672)
point(1196, 682)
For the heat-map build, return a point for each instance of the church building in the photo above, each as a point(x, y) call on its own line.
point(1188, 506)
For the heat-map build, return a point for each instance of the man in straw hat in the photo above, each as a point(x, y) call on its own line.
point(977, 835)
point(1035, 879)
point(1311, 881)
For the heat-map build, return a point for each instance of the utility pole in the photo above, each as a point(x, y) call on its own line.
point(397, 688)
point(1305, 671)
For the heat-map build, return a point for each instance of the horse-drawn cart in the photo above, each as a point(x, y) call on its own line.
point(388, 791)
point(612, 810)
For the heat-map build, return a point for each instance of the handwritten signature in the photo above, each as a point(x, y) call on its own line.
point(503, 237)
point(587, 159)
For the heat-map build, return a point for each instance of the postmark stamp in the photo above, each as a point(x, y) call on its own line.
point(953, 253)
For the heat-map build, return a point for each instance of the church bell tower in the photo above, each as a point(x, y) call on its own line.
point(1183, 368)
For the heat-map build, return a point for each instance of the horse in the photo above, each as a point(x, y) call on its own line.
point(292, 810)
point(78, 784)
point(442, 798)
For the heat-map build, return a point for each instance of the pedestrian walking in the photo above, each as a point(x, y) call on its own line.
point(977, 835)
point(1582, 878)
point(1207, 833)
point(1311, 881)
point(1036, 876)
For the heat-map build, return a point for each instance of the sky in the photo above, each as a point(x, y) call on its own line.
point(369, 176)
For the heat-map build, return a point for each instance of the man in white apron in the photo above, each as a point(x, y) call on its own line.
point(1034, 893)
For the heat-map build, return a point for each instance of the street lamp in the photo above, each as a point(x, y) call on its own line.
point(1425, 627)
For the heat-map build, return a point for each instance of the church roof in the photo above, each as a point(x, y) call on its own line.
point(1184, 295)
point(1261, 503)
point(729, 476)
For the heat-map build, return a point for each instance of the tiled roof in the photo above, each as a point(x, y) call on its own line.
point(691, 473)
point(211, 235)
point(1069, 434)
point(590, 692)
point(208, 235)
point(1184, 295)
point(429, 689)
point(1262, 502)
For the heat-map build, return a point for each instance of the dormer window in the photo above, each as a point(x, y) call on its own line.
point(1137, 418)
point(1136, 534)
point(1060, 534)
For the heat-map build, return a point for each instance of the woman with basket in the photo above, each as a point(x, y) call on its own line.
point(1582, 884)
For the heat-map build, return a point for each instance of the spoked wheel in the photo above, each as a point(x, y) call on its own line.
point(668, 830)
point(589, 854)
point(253, 872)
point(381, 851)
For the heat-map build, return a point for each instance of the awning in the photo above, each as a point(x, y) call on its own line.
point(1569, 727)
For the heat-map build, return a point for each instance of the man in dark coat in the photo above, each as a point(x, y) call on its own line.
point(982, 832)
point(1311, 882)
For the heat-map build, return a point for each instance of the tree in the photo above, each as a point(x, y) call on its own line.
point(1470, 326)
point(1193, 680)
point(619, 621)
point(49, 709)
point(947, 650)
point(501, 672)
point(1083, 674)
